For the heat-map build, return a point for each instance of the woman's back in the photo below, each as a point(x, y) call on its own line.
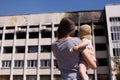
point(67, 61)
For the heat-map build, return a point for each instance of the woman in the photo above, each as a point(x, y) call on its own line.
point(68, 61)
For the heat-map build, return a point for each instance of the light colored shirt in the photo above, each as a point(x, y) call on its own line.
point(67, 61)
point(91, 50)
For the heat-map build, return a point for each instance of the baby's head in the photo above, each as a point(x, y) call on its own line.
point(85, 32)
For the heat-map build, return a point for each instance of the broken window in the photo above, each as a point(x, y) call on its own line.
point(99, 32)
point(8, 49)
point(10, 28)
point(0, 36)
point(102, 62)
point(100, 47)
point(21, 35)
point(17, 77)
point(34, 26)
point(32, 77)
point(46, 34)
point(45, 48)
point(32, 49)
point(9, 36)
point(20, 49)
point(33, 34)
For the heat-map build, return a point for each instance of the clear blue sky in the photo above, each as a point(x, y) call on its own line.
point(14, 7)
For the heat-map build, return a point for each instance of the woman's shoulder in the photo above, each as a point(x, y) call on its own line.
point(75, 39)
point(72, 39)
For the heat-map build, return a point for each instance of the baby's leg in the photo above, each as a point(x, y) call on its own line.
point(83, 70)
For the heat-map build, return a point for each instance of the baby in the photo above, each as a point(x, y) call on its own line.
point(84, 34)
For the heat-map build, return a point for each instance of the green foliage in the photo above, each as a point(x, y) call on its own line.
point(118, 76)
point(117, 62)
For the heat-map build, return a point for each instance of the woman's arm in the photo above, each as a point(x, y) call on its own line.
point(89, 60)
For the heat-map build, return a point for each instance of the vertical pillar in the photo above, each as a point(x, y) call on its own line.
point(25, 55)
point(13, 53)
point(93, 41)
point(39, 49)
point(2, 42)
point(52, 59)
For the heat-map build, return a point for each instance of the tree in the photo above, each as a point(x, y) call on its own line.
point(117, 67)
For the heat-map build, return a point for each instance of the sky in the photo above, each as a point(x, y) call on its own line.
point(21, 7)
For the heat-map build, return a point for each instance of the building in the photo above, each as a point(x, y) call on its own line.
point(113, 28)
point(25, 43)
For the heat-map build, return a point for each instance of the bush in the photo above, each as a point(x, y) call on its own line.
point(118, 76)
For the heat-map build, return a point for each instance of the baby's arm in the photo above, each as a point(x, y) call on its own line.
point(80, 46)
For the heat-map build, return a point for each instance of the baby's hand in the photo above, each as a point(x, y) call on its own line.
point(75, 48)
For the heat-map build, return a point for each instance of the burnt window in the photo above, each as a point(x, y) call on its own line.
point(10, 28)
point(20, 49)
point(55, 64)
point(34, 26)
point(99, 32)
point(21, 35)
point(46, 34)
point(0, 36)
point(102, 62)
point(33, 34)
point(9, 36)
point(32, 49)
point(55, 33)
point(45, 48)
point(103, 77)
point(7, 49)
point(100, 47)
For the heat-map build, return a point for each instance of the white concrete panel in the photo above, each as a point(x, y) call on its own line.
point(8, 43)
point(32, 42)
point(44, 71)
point(32, 56)
point(103, 70)
point(100, 39)
point(113, 10)
point(31, 19)
point(17, 71)
point(9, 31)
point(101, 54)
point(45, 41)
point(5, 71)
point(45, 55)
point(19, 56)
point(6, 56)
point(31, 71)
point(56, 71)
point(20, 42)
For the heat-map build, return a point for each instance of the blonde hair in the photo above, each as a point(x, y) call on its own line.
point(85, 32)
